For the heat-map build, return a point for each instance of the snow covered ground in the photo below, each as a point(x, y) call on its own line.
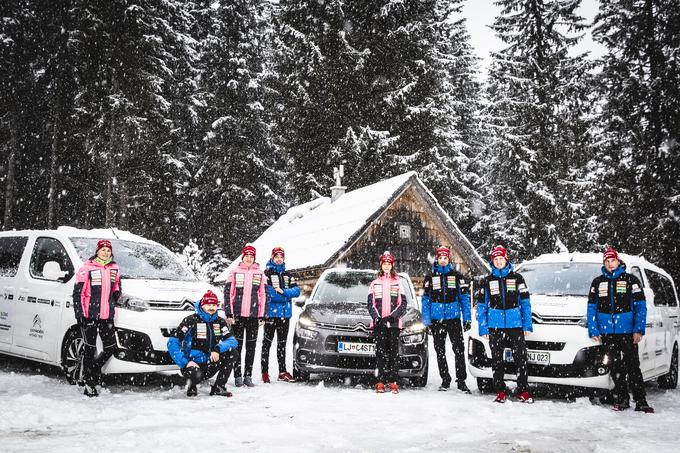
point(39, 411)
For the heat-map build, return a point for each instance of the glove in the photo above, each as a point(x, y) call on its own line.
point(467, 325)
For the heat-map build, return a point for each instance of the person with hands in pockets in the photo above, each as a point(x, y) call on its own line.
point(386, 306)
point(245, 300)
point(281, 288)
point(203, 346)
point(445, 301)
point(504, 317)
point(617, 317)
point(96, 290)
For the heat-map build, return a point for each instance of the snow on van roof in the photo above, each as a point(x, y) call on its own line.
point(578, 257)
point(311, 233)
point(102, 233)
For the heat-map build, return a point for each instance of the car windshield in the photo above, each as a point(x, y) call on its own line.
point(560, 279)
point(351, 287)
point(138, 260)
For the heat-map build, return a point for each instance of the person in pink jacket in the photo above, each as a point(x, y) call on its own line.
point(96, 290)
point(386, 305)
point(245, 301)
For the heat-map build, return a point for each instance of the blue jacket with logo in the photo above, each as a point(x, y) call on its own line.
point(197, 336)
point(447, 295)
point(279, 305)
point(616, 304)
point(505, 302)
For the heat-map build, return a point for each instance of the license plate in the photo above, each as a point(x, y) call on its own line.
point(345, 347)
point(534, 357)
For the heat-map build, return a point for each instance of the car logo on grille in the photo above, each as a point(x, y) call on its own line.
point(187, 305)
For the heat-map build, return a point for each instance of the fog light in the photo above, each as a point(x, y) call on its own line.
point(303, 357)
point(601, 371)
point(121, 355)
point(415, 363)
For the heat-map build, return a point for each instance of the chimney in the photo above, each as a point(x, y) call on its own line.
point(338, 189)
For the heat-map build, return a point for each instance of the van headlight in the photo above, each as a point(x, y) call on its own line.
point(133, 303)
point(583, 322)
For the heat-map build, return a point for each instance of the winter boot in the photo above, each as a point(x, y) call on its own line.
point(191, 389)
point(238, 381)
point(524, 397)
point(90, 390)
point(642, 406)
point(217, 390)
point(621, 406)
point(379, 387)
point(286, 377)
point(463, 387)
point(394, 388)
point(265, 378)
point(446, 383)
point(500, 398)
point(248, 381)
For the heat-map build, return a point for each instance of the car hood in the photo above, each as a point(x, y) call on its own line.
point(571, 306)
point(349, 314)
point(167, 290)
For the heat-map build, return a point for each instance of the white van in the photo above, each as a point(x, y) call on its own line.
point(37, 320)
point(560, 351)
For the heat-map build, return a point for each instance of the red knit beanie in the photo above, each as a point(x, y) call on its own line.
point(499, 250)
point(209, 298)
point(387, 257)
point(103, 243)
point(248, 250)
point(443, 251)
point(278, 251)
point(610, 253)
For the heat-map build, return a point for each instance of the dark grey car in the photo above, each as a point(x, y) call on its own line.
point(332, 334)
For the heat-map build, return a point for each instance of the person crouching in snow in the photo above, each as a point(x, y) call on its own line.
point(203, 346)
point(386, 306)
point(95, 293)
point(504, 316)
point(281, 288)
point(245, 306)
point(617, 316)
point(446, 298)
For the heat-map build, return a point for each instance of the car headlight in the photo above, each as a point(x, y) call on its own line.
point(416, 328)
point(415, 338)
point(133, 303)
point(583, 322)
point(307, 334)
point(306, 321)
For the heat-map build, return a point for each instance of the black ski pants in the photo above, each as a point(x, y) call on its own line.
point(625, 368)
point(499, 339)
point(92, 366)
point(453, 328)
point(245, 327)
point(387, 352)
point(278, 326)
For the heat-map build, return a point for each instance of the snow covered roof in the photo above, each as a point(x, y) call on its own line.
point(312, 233)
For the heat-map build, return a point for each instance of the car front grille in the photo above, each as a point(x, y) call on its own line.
point(562, 320)
point(173, 305)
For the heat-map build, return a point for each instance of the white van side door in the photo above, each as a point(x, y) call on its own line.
point(46, 298)
point(646, 347)
point(12, 249)
point(667, 305)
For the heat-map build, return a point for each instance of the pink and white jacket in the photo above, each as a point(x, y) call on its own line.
point(385, 300)
point(96, 290)
point(244, 294)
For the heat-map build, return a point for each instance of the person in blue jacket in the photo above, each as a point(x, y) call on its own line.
point(202, 347)
point(281, 288)
point(446, 299)
point(504, 317)
point(617, 316)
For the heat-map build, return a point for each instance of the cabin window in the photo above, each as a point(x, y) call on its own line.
point(405, 231)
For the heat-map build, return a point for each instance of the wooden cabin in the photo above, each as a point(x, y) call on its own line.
point(353, 229)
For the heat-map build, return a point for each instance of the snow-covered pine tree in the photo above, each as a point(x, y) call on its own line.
point(639, 197)
point(320, 86)
point(536, 116)
point(235, 190)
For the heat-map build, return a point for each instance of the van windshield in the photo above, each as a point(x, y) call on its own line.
point(560, 279)
point(139, 260)
point(351, 287)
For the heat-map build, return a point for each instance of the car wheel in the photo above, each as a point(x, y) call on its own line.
point(485, 385)
point(422, 380)
point(670, 379)
point(71, 356)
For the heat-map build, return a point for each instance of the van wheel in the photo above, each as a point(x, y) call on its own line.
point(670, 379)
point(485, 385)
point(71, 356)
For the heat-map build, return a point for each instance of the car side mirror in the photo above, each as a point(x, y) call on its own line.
point(300, 301)
point(52, 271)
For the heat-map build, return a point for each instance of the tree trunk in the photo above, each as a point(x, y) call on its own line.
point(10, 182)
